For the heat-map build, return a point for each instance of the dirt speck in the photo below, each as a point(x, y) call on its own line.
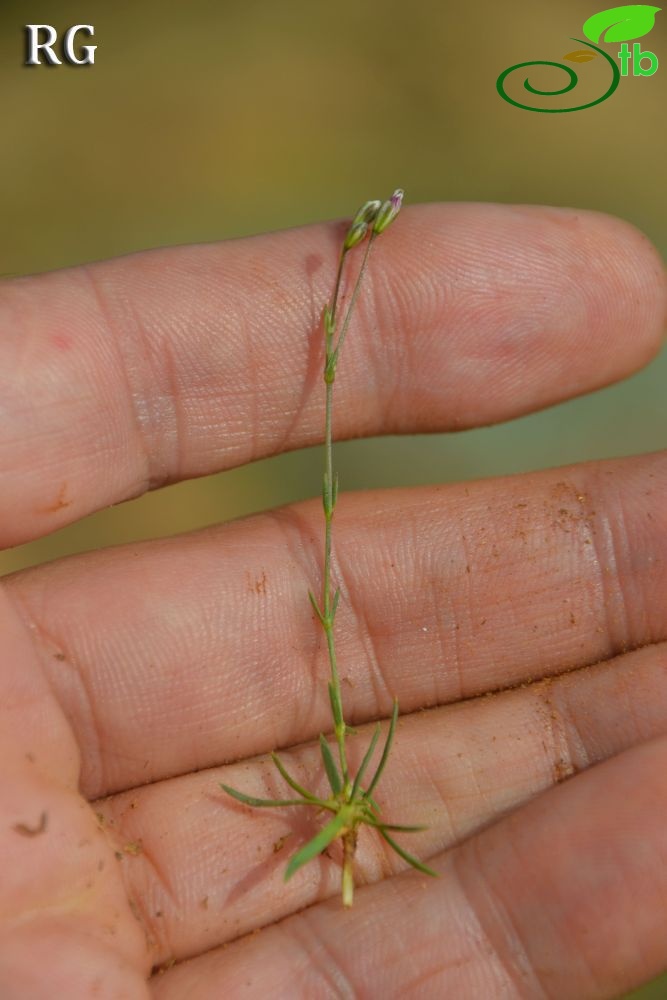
point(134, 847)
point(61, 501)
point(159, 970)
point(280, 843)
point(257, 585)
point(26, 830)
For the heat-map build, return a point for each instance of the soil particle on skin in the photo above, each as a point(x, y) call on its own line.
point(256, 585)
point(159, 970)
point(26, 830)
point(61, 501)
point(562, 770)
point(134, 847)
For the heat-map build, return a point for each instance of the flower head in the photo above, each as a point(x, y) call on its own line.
point(355, 234)
point(388, 211)
point(367, 212)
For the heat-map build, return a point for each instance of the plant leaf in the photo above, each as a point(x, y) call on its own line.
point(330, 766)
point(366, 761)
point(319, 842)
point(581, 55)
point(378, 824)
point(385, 752)
point(408, 857)
point(250, 800)
point(292, 783)
point(336, 707)
point(316, 607)
point(620, 24)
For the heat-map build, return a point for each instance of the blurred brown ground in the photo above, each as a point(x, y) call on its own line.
point(207, 120)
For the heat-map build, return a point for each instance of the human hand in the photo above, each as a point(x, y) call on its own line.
point(131, 678)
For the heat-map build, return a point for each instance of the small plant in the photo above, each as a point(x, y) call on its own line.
point(351, 802)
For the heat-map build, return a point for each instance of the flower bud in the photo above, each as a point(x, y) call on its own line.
point(367, 212)
point(388, 211)
point(355, 234)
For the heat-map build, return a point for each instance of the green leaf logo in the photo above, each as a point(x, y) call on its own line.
point(621, 24)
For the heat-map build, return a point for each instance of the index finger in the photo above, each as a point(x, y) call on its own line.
point(125, 375)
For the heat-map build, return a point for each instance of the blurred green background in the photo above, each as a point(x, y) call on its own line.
point(207, 120)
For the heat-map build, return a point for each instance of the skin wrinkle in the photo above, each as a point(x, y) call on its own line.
point(379, 374)
point(43, 643)
point(615, 612)
point(636, 623)
point(319, 957)
point(501, 934)
point(155, 928)
point(307, 557)
point(376, 676)
point(453, 629)
point(439, 783)
point(578, 756)
point(179, 446)
point(415, 547)
point(122, 369)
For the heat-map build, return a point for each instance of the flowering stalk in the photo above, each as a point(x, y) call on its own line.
point(350, 803)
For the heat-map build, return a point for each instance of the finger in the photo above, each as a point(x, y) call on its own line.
point(211, 870)
point(161, 653)
point(565, 898)
point(177, 363)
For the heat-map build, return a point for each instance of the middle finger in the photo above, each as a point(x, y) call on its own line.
point(179, 654)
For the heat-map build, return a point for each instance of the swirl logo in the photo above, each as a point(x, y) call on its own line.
point(618, 24)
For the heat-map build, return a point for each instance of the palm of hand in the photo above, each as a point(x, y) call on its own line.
point(129, 677)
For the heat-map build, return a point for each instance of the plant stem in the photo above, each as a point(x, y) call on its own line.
point(329, 496)
point(347, 884)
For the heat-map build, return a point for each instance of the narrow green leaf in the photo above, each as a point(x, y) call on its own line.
point(336, 599)
point(316, 607)
point(366, 761)
point(336, 707)
point(327, 501)
point(308, 796)
point(319, 842)
point(385, 752)
point(334, 492)
point(374, 821)
point(250, 800)
point(408, 857)
point(330, 766)
point(328, 320)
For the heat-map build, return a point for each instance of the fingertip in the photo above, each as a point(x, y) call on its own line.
point(624, 278)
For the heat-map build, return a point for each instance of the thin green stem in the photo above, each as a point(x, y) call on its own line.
point(329, 493)
point(339, 275)
point(353, 300)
